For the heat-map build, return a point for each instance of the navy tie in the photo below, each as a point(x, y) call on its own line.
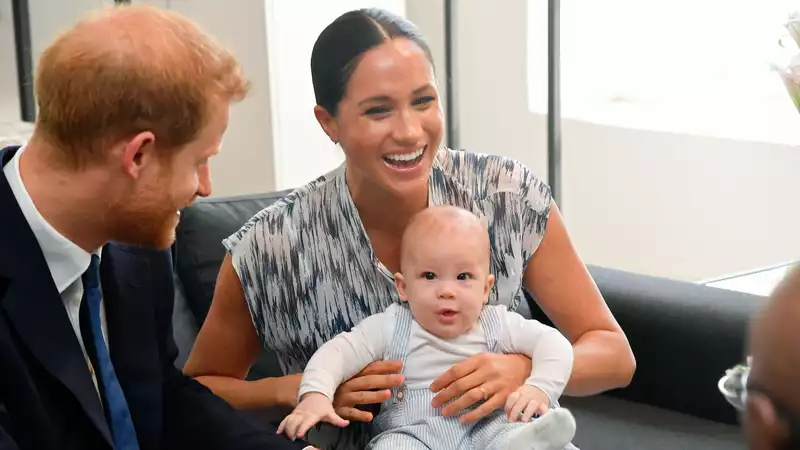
point(117, 410)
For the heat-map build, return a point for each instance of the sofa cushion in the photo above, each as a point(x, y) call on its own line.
point(683, 335)
point(608, 423)
point(184, 326)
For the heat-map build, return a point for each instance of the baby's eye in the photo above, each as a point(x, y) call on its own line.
point(464, 276)
point(429, 275)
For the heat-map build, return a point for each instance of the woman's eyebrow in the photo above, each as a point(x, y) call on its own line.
point(386, 98)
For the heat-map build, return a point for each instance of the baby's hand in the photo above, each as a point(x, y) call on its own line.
point(526, 401)
point(313, 408)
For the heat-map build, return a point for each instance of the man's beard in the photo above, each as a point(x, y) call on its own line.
point(149, 224)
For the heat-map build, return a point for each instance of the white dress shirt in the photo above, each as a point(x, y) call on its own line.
point(66, 261)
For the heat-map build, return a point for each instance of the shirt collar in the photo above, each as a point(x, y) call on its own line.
point(66, 261)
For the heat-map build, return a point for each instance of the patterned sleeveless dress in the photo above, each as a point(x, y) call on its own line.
point(309, 272)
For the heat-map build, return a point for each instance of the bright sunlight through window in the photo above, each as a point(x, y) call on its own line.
point(687, 66)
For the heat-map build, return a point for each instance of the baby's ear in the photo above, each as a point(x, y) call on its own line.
point(489, 283)
point(400, 284)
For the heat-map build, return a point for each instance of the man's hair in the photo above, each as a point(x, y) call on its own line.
point(129, 69)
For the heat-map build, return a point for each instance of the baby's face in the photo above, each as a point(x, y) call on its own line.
point(446, 282)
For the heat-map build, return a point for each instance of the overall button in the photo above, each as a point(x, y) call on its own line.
point(400, 395)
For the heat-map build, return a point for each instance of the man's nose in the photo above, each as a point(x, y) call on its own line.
point(204, 181)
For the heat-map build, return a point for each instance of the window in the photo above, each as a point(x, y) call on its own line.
point(686, 66)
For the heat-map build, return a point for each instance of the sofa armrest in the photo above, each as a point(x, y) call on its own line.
point(683, 335)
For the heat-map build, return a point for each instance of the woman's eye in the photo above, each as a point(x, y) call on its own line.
point(429, 275)
point(464, 276)
point(424, 100)
point(374, 111)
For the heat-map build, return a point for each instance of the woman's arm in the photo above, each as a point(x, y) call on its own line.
point(226, 347)
point(565, 291)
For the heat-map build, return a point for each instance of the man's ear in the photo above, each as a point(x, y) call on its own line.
point(400, 284)
point(764, 428)
point(138, 153)
point(327, 122)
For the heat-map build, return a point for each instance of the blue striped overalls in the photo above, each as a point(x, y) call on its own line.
point(407, 420)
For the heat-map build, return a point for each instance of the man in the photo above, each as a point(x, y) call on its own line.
point(133, 102)
point(772, 414)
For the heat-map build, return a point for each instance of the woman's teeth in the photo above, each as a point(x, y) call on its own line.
point(405, 157)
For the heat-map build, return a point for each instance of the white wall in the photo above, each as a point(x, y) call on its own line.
point(428, 16)
point(246, 162)
point(9, 95)
point(302, 150)
point(679, 206)
point(49, 18)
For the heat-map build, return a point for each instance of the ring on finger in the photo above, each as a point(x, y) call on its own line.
point(485, 395)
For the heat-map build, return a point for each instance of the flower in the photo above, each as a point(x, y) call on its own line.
point(733, 385)
point(790, 71)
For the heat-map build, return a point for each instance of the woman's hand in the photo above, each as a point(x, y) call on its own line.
point(488, 376)
point(369, 386)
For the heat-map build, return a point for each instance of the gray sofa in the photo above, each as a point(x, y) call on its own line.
point(684, 336)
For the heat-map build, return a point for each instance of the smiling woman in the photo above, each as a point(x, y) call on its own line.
point(322, 259)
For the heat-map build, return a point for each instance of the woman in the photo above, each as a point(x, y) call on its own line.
point(320, 260)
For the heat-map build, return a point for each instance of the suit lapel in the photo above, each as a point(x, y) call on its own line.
point(39, 317)
point(35, 309)
point(127, 297)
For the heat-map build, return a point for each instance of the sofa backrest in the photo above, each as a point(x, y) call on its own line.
point(198, 246)
point(198, 254)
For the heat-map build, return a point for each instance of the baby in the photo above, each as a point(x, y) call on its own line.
point(442, 320)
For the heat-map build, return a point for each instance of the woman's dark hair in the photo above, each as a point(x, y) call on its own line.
point(342, 43)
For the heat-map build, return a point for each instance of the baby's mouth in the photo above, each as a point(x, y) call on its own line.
point(446, 312)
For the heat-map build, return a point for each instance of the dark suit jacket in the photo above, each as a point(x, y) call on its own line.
point(47, 398)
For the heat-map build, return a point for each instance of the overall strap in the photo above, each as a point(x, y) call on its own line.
point(490, 321)
point(398, 346)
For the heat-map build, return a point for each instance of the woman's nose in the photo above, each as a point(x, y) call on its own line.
point(408, 129)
